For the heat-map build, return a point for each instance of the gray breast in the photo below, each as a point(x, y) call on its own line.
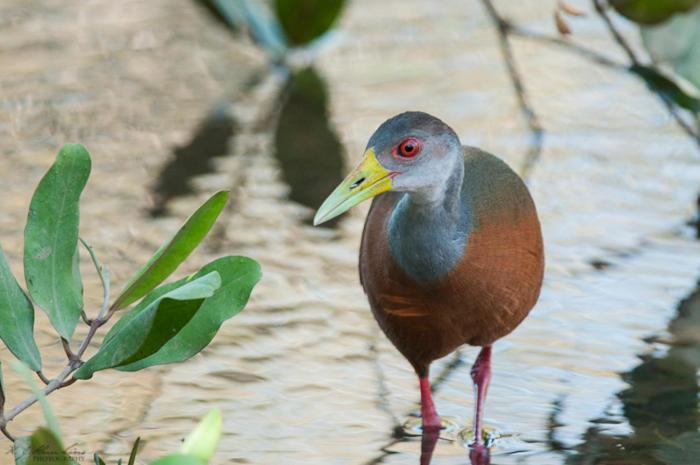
point(428, 241)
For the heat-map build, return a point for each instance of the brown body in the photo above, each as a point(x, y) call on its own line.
point(485, 296)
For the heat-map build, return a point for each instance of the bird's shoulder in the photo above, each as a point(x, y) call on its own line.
point(491, 186)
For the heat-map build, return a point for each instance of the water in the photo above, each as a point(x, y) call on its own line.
point(605, 370)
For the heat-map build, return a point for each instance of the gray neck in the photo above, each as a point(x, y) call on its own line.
point(428, 229)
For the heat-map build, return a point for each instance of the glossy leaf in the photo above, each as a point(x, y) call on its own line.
point(172, 253)
point(651, 11)
point(238, 276)
point(17, 318)
point(665, 86)
point(28, 376)
point(251, 16)
point(178, 459)
point(676, 43)
point(154, 323)
point(204, 439)
point(306, 20)
point(51, 239)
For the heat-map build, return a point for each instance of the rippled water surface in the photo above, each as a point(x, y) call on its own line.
point(172, 108)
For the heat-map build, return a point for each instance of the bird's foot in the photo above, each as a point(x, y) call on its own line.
point(479, 454)
point(414, 426)
point(488, 436)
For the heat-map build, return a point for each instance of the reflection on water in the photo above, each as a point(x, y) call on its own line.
point(211, 139)
point(661, 404)
point(306, 146)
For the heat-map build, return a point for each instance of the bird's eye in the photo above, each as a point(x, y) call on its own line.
point(409, 148)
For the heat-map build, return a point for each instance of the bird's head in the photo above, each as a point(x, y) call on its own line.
point(411, 152)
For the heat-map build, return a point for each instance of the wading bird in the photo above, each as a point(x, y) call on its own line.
point(451, 251)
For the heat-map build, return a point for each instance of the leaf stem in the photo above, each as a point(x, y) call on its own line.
point(534, 151)
point(74, 359)
point(42, 377)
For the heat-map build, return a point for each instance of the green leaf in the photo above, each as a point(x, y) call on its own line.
point(651, 11)
point(98, 460)
point(134, 450)
point(51, 421)
point(172, 253)
point(17, 318)
point(51, 239)
point(178, 459)
point(665, 86)
point(253, 17)
point(306, 20)
point(238, 276)
point(41, 448)
point(204, 439)
point(676, 43)
point(152, 325)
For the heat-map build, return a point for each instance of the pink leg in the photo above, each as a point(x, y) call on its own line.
point(427, 445)
point(431, 420)
point(481, 376)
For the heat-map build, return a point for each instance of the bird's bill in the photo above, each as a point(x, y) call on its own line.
point(368, 180)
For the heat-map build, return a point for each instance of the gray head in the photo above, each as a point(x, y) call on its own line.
point(412, 152)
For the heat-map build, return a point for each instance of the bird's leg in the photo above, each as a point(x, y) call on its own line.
point(481, 376)
point(429, 416)
point(427, 445)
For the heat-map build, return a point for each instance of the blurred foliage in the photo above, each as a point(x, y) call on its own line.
point(306, 20)
point(681, 450)
point(676, 43)
point(665, 86)
point(293, 22)
point(651, 11)
point(45, 446)
point(252, 17)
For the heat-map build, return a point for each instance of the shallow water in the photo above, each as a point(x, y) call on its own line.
point(605, 370)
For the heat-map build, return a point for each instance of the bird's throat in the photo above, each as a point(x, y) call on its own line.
point(428, 233)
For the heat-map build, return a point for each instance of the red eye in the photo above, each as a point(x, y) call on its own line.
point(409, 148)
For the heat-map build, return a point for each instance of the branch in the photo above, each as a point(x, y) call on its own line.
point(569, 45)
point(534, 151)
point(668, 103)
point(74, 359)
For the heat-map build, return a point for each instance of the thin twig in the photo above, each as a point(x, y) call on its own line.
point(42, 377)
point(600, 9)
point(7, 433)
point(534, 150)
point(103, 272)
point(69, 352)
point(567, 44)
point(74, 362)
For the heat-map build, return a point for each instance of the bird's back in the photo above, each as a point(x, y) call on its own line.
point(489, 291)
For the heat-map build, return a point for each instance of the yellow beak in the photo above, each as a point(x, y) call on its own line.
point(368, 180)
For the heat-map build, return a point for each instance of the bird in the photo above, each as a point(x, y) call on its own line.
point(451, 251)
